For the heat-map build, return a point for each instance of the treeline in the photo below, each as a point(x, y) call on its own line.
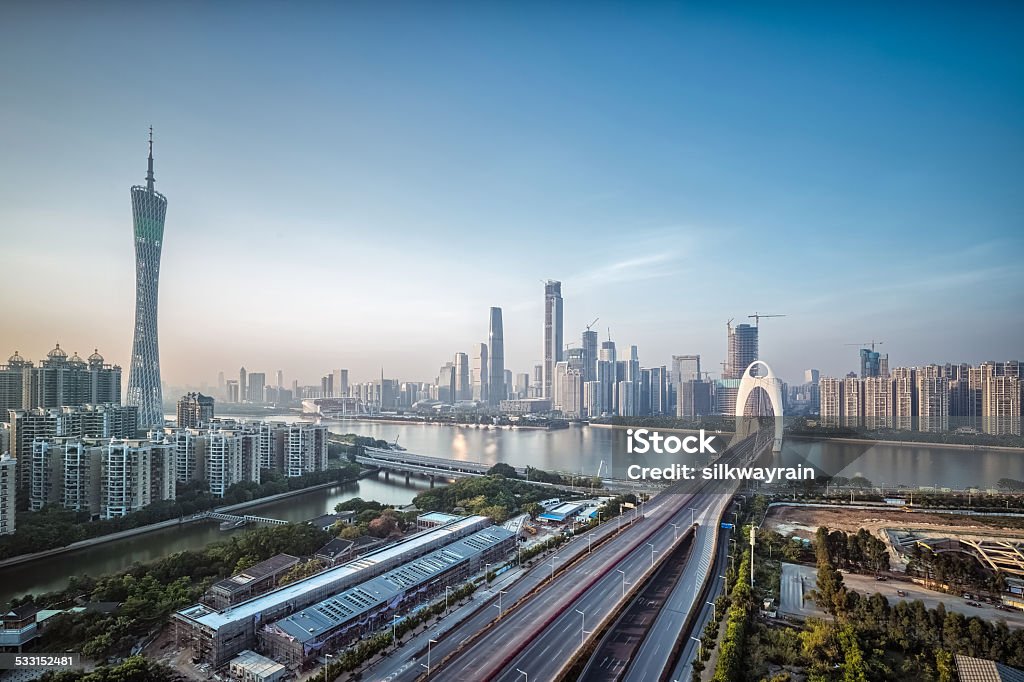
point(149, 593)
point(731, 660)
point(495, 496)
point(922, 639)
point(953, 571)
point(54, 527)
point(801, 428)
point(134, 669)
point(861, 551)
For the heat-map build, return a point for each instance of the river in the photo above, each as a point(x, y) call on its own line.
point(578, 449)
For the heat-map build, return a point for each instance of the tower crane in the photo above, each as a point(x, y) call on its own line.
point(757, 318)
point(871, 343)
point(593, 323)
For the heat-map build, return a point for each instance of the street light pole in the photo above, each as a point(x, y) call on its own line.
point(427, 666)
point(623, 581)
point(692, 512)
point(583, 625)
point(652, 553)
point(700, 647)
point(394, 621)
point(523, 673)
point(675, 530)
point(714, 611)
point(326, 663)
point(447, 588)
point(553, 566)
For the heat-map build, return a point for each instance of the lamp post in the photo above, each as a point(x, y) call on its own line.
point(326, 663)
point(583, 625)
point(692, 512)
point(487, 572)
point(427, 666)
point(553, 566)
point(447, 589)
point(623, 581)
point(523, 673)
point(700, 647)
point(652, 553)
point(500, 592)
point(714, 611)
point(590, 543)
point(675, 530)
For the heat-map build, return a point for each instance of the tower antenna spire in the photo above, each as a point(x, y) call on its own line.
point(149, 175)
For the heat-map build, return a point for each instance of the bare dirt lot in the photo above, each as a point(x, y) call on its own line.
point(804, 521)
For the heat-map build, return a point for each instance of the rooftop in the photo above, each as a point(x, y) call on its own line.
point(240, 581)
point(309, 623)
point(971, 669)
point(254, 663)
point(249, 609)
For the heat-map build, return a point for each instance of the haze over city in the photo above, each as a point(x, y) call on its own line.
point(347, 197)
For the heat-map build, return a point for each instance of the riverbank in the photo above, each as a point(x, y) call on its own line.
point(906, 443)
point(170, 523)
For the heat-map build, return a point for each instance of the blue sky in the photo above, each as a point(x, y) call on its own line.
point(354, 184)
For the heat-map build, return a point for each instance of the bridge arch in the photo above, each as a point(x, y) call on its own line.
point(772, 387)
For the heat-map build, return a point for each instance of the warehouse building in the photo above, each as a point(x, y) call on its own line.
point(215, 636)
point(370, 606)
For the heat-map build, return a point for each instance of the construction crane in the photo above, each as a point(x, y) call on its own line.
point(593, 323)
point(866, 343)
point(757, 318)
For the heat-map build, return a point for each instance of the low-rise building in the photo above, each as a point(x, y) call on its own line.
point(369, 606)
point(249, 666)
point(217, 636)
point(253, 581)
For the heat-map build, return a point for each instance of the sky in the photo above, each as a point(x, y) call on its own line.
point(355, 184)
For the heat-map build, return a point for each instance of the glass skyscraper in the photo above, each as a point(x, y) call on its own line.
point(149, 209)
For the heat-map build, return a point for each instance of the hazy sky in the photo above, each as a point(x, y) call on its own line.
point(354, 184)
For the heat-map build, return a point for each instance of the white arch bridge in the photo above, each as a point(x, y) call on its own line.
point(771, 386)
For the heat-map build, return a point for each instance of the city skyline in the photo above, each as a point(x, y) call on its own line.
point(894, 223)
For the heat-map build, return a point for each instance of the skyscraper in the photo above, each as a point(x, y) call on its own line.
point(463, 390)
point(496, 359)
point(149, 208)
point(742, 349)
point(552, 331)
point(479, 373)
point(590, 355)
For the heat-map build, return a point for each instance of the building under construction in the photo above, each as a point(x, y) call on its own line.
point(372, 605)
point(214, 636)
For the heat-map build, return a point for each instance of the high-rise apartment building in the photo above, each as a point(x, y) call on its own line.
point(933, 394)
point(12, 383)
point(194, 410)
point(830, 391)
point(592, 397)
point(811, 376)
point(878, 402)
point(62, 381)
point(853, 402)
point(903, 383)
point(568, 390)
point(552, 332)
point(135, 473)
point(93, 421)
point(8, 493)
point(306, 449)
point(1001, 404)
point(149, 208)
point(496, 387)
point(243, 385)
point(340, 384)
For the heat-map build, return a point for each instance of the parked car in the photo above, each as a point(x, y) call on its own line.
point(902, 593)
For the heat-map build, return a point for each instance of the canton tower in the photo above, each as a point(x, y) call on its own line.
point(148, 210)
